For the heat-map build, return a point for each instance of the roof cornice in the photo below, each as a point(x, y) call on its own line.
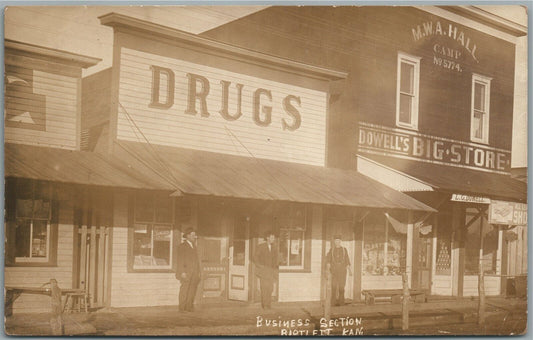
point(138, 26)
point(487, 18)
point(63, 56)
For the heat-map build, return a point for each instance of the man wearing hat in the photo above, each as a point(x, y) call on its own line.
point(339, 262)
point(266, 264)
point(188, 270)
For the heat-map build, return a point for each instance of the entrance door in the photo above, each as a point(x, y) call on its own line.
point(93, 249)
point(425, 252)
point(239, 260)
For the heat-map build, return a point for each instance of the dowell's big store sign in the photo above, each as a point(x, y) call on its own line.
point(185, 104)
point(380, 140)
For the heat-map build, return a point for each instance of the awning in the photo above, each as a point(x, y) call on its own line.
point(452, 179)
point(77, 167)
point(206, 173)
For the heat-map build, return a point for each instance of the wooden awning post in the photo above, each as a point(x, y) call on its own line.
point(56, 320)
point(481, 280)
point(327, 305)
point(405, 302)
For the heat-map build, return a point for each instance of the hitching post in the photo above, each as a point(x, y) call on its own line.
point(327, 306)
point(405, 302)
point(56, 321)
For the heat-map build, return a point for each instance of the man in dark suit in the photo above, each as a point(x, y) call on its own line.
point(266, 264)
point(188, 270)
point(339, 262)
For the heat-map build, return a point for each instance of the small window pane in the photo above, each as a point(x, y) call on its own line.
point(142, 240)
point(374, 245)
point(162, 239)
point(407, 78)
point(144, 208)
point(239, 252)
point(163, 209)
point(478, 124)
point(296, 247)
point(479, 97)
point(39, 240)
point(41, 209)
point(22, 238)
point(24, 208)
point(405, 108)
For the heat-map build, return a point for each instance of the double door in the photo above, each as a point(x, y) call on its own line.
point(225, 260)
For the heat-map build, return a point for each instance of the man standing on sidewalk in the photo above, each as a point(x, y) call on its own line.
point(266, 262)
point(339, 262)
point(188, 270)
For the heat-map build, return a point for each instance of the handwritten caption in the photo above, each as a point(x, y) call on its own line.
point(346, 326)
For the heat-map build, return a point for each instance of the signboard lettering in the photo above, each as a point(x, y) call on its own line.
point(375, 139)
point(431, 28)
point(199, 88)
point(470, 199)
point(508, 213)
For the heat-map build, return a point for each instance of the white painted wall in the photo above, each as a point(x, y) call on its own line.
point(173, 127)
point(136, 289)
point(37, 276)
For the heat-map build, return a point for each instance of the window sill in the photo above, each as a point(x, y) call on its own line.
point(32, 264)
point(145, 270)
point(406, 127)
point(479, 141)
point(281, 271)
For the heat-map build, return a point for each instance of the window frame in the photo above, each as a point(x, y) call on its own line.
point(485, 81)
point(305, 267)
point(415, 62)
point(386, 243)
point(151, 225)
point(11, 260)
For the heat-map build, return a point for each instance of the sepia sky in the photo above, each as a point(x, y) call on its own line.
point(77, 29)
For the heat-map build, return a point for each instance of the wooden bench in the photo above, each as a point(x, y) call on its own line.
point(395, 295)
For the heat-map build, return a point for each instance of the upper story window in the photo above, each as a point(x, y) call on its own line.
point(30, 233)
point(479, 121)
point(407, 91)
point(152, 232)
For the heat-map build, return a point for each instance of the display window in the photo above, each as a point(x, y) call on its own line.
point(384, 245)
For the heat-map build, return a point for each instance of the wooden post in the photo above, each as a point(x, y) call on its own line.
point(405, 302)
point(481, 281)
point(56, 321)
point(327, 305)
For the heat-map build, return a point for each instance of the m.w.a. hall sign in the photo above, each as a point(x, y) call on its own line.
point(399, 143)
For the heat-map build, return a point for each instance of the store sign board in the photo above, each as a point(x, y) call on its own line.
point(508, 213)
point(470, 199)
point(406, 144)
point(180, 103)
point(449, 44)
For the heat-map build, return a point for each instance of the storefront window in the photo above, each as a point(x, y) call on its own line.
point(292, 235)
point(472, 242)
point(384, 245)
point(29, 235)
point(152, 232)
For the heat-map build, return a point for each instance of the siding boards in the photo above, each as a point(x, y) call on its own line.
point(135, 289)
point(37, 276)
point(96, 98)
point(290, 284)
point(213, 133)
point(365, 41)
point(45, 98)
